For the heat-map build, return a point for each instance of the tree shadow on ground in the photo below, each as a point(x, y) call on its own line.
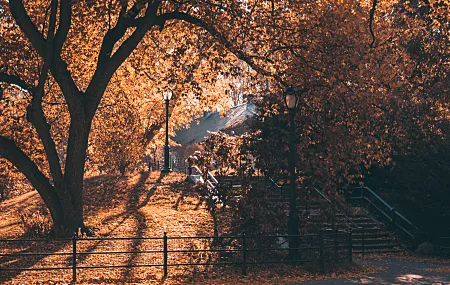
point(104, 191)
point(46, 247)
point(132, 210)
point(185, 189)
point(107, 188)
point(133, 207)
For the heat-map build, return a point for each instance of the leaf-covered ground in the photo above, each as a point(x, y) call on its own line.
point(142, 205)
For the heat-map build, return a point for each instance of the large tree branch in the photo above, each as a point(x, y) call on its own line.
point(15, 80)
point(58, 67)
point(27, 26)
point(65, 20)
point(10, 151)
point(108, 63)
point(161, 19)
point(36, 114)
point(372, 13)
point(124, 22)
point(71, 93)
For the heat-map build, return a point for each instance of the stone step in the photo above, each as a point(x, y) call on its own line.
point(361, 220)
point(352, 216)
point(369, 236)
point(374, 251)
point(358, 242)
point(367, 230)
point(376, 238)
point(376, 246)
point(346, 225)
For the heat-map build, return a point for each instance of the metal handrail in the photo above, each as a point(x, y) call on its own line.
point(343, 213)
point(198, 169)
point(209, 175)
point(210, 184)
point(212, 178)
point(392, 210)
point(323, 196)
point(390, 207)
point(275, 183)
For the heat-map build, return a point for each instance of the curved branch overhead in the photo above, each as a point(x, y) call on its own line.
point(15, 80)
point(10, 151)
point(372, 14)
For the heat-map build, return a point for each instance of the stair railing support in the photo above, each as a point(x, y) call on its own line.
point(74, 259)
point(362, 197)
point(350, 253)
point(322, 254)
point(362, 242)
point(393, 214)
point(244, 255)
point(336, 243)
point(165, 251)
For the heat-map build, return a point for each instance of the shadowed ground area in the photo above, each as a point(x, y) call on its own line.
point(141, 205)
point(147, 205)
point(396, 271)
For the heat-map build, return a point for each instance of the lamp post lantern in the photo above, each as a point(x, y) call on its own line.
point(291, 99)
point(167, 96)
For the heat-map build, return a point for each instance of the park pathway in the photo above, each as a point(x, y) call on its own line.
point(396, 271)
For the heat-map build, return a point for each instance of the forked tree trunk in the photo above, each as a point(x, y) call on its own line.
point(72, 202)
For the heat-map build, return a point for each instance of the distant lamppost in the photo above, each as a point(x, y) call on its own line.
point(291, 99)
point(167, 96)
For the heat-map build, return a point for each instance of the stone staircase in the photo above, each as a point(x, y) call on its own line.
point(368, 235)
point(317, 214)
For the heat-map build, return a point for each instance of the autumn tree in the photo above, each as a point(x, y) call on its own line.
point(358, 59)
point(377, 80)
point(60, 57)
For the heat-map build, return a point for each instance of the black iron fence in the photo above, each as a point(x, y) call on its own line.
point(167, 251)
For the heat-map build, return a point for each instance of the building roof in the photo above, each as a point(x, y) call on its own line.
point(213, 122)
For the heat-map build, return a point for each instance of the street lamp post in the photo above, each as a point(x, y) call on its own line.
point(291, 99)
point(167, 96)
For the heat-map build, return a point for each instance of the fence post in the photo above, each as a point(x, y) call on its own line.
point(322, 254)
point(74, 258)
point(165, 254)
point(244, 254)
point(350, 253)
point(307, 203)
point(336, 243)
point(362, 242)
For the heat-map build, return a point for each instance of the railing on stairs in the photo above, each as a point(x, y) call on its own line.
point(276, 186)
point(210, 181)
point(388, 212)
point(341, 210)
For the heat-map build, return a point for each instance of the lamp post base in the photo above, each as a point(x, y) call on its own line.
point(166, 170)
point(167, 164)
